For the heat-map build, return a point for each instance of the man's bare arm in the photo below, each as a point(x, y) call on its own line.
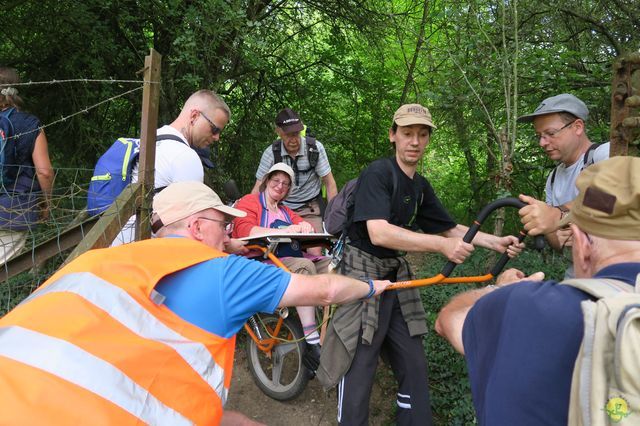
point(256, 187)
point(330, 183)
point(327, 289)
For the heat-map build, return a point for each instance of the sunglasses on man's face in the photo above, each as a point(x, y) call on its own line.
point(215, 130)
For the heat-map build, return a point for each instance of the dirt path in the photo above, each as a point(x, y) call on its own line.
point(312, 408)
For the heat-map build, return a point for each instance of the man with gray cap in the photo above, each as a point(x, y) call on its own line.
point(391, 203)
point(145, 332)
point(560, 126)
point(308, 159)
point(521, 340)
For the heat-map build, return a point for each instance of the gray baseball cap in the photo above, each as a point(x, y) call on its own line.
point(560, 103)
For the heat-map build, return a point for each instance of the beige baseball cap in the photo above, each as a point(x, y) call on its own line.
point(608, 204)
point(182, 199)
point(410, 114)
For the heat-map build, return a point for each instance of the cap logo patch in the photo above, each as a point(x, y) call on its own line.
point(416, 110)
point(290, 120)
point(599, 200)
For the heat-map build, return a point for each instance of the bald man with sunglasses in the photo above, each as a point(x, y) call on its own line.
point(181, 144)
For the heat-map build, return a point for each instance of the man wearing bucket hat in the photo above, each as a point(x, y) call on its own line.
point(308, 159)
point(145, 332)
point(391, 203)
point(521, 340)
point(560, 126)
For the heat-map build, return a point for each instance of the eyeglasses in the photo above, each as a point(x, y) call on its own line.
point(552, 133)
point(214, 129)
point(275, 183)
point(223, 223)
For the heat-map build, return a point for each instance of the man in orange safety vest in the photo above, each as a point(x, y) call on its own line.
point(145, 332)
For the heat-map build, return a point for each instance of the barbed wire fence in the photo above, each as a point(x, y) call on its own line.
point(67, 207)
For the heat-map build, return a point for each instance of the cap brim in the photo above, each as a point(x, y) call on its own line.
point(296, 127)
point(410, 121)
point(530, 117)
point(230, 211)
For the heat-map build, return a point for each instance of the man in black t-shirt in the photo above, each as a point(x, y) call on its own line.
point(384, 227)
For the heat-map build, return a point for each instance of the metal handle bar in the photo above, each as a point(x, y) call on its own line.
point(442, 277)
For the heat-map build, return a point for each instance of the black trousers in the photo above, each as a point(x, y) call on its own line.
point(409, 365)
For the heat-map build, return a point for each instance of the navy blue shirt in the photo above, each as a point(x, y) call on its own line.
point(521, 343)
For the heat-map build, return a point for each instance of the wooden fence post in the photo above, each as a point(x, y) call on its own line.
point(148, 126)
point(625, 106)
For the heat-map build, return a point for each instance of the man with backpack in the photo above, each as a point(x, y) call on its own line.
point(308, 159)
point(521, 341)
point(198, 125)
point(559, 123)
point(391, 203)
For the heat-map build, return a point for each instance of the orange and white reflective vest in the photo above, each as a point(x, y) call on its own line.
point(90, 346)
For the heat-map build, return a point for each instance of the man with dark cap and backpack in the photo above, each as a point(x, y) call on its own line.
point(522, 338)
point(308, 159)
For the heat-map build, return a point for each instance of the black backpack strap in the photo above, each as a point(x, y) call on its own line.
point(587, 159)
point(276, 147)
point(394, 176)
point(351, 202)
point(312, 151)
point(170, 138)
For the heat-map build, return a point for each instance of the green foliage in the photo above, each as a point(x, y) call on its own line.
point(450, 392)
point(345, 66)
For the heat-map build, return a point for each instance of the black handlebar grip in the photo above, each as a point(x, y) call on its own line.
point(475, 227)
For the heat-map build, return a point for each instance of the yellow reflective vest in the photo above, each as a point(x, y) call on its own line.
point(92, 346)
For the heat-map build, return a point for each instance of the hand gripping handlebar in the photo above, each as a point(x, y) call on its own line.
point(443, 276)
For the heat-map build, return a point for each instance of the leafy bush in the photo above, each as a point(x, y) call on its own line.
point(450, 391)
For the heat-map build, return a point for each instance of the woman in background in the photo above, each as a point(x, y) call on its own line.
point(26, 177)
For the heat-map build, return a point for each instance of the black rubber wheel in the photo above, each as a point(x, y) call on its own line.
point(281, 376)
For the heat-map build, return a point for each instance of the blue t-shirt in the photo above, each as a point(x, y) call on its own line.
point(219, 295)
point(521, 343)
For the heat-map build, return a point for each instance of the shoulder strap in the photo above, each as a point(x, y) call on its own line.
point(7, 112)
point(312, 151)
point(587, 159)
point(276, 147)
point(602, 287)
point(394, 177)
point(553, 177)
point(169, 137)
point(264, 216)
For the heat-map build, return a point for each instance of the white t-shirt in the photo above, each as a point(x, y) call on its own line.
point(564, 186)
point(175, 162)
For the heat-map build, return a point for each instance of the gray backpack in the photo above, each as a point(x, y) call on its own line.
point(605, 388)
